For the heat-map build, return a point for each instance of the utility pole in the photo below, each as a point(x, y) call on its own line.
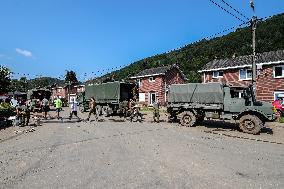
point(253, 27)
point(254, 72)
point(254, 21)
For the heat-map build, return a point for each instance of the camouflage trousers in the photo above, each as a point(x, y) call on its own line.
point(24, 118)
point(156, 115)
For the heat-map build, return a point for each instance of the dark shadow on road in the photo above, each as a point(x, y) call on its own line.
point(227, 126)
point(117, 120)
point(220, 125)
point(267, 130)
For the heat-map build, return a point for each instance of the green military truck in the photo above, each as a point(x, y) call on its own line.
point(191, 103)
point(111, 98)
point(36, 96)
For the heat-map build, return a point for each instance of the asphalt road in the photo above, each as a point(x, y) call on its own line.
point(117, 154)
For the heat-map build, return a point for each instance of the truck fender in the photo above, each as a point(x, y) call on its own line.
point(259, 114)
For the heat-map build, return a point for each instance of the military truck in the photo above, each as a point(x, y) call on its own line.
point(191, 103)
point(111, 98)
point(36, 96)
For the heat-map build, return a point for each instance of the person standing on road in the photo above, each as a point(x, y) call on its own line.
point(156, 112)
point(14, 102)
point(131, 106)
point(44, 107)
point(74, 107)
point(93, 106)
point(26, 115)
point(58, 106)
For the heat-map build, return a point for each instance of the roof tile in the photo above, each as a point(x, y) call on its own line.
point(271, 56)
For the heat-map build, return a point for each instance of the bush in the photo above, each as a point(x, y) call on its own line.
point(6, 110)
point(281, 120)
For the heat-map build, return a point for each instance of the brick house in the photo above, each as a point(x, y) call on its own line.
point(60, 91)
point(237, 73)
point(63, 90)
point(79, 88)
point(153, 83)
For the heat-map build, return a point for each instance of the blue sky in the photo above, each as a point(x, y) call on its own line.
point(47, 37)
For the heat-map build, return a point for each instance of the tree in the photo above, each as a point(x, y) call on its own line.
point(192, 57)
point(71, 77)
point(24, 84)
point(19, 85)
point(5, 79)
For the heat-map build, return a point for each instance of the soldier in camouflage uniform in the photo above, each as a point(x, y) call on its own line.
point(156, 112)
point(24, 115)
point(131, 105)
point(124, 108)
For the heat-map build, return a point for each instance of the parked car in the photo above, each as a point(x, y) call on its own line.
point(279, 106)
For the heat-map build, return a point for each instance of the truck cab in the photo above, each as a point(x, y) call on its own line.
point(247, 104)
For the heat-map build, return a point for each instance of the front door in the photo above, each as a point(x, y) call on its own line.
point(152, 98)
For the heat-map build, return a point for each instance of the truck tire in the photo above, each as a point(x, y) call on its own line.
point(187, 119)
point(250, 124)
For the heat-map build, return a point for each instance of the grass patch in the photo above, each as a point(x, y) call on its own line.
point(281, 120)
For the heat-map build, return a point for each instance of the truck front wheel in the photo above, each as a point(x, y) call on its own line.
point(250, 124)
point(187, 119)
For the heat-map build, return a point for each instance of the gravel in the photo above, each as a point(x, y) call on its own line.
point(115, 153)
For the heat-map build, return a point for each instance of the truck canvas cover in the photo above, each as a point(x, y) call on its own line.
point(209, 93)
point(39, 93)
point(109, 92)
point(104, 92)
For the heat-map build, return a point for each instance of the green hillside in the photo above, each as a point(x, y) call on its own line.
point(23, 84)
point(191, 58)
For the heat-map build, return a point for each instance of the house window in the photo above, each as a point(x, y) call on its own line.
point(278, 71)
point(218, 74)
point(142, 97)
point(151, 79)
point(152, 98)
point(139, 82)
point(245, 74)
point(279, 95)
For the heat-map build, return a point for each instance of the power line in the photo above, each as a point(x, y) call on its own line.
point(226, 10)
point(235, 10)
point(99, 72)
point(227, 30)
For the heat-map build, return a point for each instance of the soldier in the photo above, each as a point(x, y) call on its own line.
point(124, 108)
point(131, 105)
point(23, 113)
point(27, 115)
point(93, 106)
point(134, 111)
point(156, 112)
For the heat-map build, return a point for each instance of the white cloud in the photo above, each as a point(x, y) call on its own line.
point(25, 53)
